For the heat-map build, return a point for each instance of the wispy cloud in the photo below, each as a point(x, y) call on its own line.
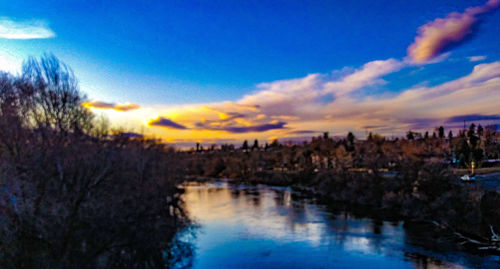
point(295, 107)
point(296, 111)
point(477, 58)
point(32, 29)
point(118, 107)
point(368, 75)
point(472, 118)
point(248, 129)
point(435, 36)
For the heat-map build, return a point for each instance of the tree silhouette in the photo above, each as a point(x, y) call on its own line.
point(255, 144)
point(71, 199)
point(441, 132)
point(480, 130)
point(410, 135)
point(350, 141)
point(244, 147)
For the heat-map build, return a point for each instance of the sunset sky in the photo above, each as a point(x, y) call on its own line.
point(224, 71)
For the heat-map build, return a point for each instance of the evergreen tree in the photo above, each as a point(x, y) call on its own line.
point(472, 130)
point(350, 141)
point(245, 145)
point(441, 132)
point(480, 130)
point(410, 135)
point(255, 144)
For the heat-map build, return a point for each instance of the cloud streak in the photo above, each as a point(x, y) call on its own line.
point(34, 29)
point(436, 36)
point(114, 106)
point(477, 58)
point(255, 128)
point(473, 118)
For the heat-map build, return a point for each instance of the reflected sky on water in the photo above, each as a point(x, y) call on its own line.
point(269, 227)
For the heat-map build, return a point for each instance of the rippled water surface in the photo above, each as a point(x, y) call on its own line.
point(268, 227)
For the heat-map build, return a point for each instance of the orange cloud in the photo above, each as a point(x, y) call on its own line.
point(294, 108)
point(118, 107)
point(436, 36)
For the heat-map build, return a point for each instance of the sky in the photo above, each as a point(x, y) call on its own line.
point(225, 71)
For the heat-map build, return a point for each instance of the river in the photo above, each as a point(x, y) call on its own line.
point(260, 226)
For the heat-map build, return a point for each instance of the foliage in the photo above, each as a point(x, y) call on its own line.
point(73, 196)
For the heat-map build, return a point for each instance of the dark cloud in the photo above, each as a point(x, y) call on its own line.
point(164, 122)
point(243, 129)
point(422, 123)
point(304, 132)
point(131, 135)
point(472, 117)
point(114, 106)
point(374, 126)
point(255, 128)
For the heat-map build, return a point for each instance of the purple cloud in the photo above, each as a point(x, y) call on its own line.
point(114, 106)
point(255, 128)
point(164, 122)
point(438, 35)
point(303, 132)
point(131, 135)
point(472, 117)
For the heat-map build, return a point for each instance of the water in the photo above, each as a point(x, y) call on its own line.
point(268, 227)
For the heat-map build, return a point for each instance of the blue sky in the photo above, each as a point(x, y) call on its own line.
point(170, 53)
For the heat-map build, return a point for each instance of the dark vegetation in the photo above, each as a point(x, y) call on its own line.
point(72, 195)
point(411, 178)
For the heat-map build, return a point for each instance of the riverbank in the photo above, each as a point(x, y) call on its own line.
point(262, 226)
point(464, 213)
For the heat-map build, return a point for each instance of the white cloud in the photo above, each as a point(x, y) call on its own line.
point(300, 103)
point(369, 74)
point(33, 29)
point(477, 58)
point(9, 63)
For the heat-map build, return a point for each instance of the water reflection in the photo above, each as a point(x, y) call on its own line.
point(268, 227)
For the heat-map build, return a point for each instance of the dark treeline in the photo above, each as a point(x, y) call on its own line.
point(411, 177)
point(71, 194)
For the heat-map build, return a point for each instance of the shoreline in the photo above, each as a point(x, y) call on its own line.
point(462, 240)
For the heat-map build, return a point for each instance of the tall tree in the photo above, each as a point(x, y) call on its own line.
point(350, 141)
point(480, 130)
point(410, 135)
point(472, 130)
point(255, 144)
point(441, 132)
point(55, 100)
